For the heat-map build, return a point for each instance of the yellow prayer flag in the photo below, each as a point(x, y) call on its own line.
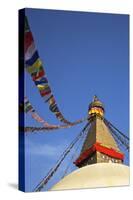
point(33, 68)
point(42, 87)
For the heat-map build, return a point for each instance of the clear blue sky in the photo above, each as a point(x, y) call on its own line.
point(83, 54)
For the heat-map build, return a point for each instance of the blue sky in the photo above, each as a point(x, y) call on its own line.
point(83, 54)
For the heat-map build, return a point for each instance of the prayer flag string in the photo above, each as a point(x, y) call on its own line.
point(35, 68)
point(28, 108)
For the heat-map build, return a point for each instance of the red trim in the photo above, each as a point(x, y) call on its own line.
point(98, 147)
point(109, 151)
point(85, 155)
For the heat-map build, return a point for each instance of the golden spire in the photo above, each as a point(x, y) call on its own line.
point(96, 107)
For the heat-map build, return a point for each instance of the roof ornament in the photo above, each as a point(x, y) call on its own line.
point(95, 98)
point(96, 107)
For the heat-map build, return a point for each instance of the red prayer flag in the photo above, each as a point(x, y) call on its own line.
point(28, 40)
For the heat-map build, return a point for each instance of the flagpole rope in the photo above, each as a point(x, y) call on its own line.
point(119, 137)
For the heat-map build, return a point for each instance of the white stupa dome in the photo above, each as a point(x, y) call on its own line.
point(95, 175)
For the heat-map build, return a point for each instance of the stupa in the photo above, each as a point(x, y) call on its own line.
point(100, 163)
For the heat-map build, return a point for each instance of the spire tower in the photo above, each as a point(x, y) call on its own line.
point(99, 145)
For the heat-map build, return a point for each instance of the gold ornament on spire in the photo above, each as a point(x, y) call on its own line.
point(96, 107)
